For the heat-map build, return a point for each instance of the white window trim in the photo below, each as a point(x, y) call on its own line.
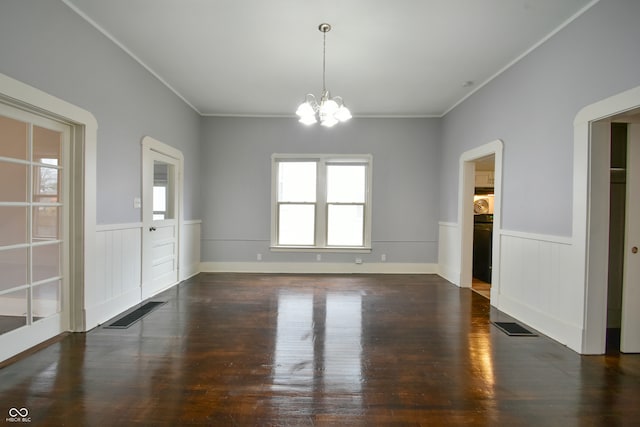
point(321, 232)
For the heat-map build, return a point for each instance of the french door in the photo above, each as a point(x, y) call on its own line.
point(34, 227)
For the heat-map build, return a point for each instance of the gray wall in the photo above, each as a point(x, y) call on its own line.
point(531, 107)
point(47, 45)
point(236, 173)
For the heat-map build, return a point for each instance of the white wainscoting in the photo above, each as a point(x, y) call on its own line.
point(190, 249)
point(118, 272)
point(449, 252)
point(535, 283)
point(119, 268)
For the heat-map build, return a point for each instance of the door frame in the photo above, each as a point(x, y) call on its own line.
point(82, 202)
point(150, 145)
point(466, 190)
point(591, 213)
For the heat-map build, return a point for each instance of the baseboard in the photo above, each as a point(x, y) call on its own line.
point(449, 274)
point(557, 329)
point(99, 314)
point(304, 267)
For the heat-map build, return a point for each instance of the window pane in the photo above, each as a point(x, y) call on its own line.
point(163, 176)
point(46, 300)
point(46, 223)
point(13, 309)
point(46, 262)
point(13, 264)
point(297, 182)
point(345, 225)
point(16, 175)
point(13, 138)
point(296, 225)
point(47, 145)
point(45, 183)
point(13, 225)
point(346, 183)
point(159, 203)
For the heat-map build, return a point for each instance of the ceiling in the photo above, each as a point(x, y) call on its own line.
point(401, 58)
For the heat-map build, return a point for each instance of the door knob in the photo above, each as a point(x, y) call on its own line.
point(152, 229)
point(634, 250)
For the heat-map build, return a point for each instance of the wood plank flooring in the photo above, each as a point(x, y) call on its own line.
point(306, 350)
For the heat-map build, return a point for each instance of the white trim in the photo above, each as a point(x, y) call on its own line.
point(113, 227)
point(318, 268)
point(539, 237)
point(192, 221)
point(588, 215)
point(83, 209)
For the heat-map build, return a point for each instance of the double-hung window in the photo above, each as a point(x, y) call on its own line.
point(321, 202)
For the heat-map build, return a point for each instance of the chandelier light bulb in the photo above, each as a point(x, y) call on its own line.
point(329, 111)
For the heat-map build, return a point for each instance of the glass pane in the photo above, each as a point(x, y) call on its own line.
point(47, 145)
point(297, 182)
point(13, 138)
point(346, 183)
point(159, 203)
point(45, 183)
point(162, 191)
point(47, 300)
point(13, 225)
point(13, 310)
point(296, 225)
point(46, 223)
point(13, 265)
point(46, 262)
point(345, 225)
point(13, 182)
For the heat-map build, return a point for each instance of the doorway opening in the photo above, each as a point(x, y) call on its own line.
point(595, 216)
point(483, 210)
point(479, 218)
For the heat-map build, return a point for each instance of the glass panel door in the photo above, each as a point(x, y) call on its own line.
point(32, 218)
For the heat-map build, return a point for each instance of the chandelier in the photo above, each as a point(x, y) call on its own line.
point(329, 111)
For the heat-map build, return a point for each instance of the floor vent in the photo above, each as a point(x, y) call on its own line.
point(514, 329)
point(137, 314)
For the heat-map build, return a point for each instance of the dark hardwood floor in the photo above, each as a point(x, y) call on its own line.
point(303, 350)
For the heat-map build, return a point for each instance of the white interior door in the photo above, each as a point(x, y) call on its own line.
point(161, 213)
point(630, 333)
point(34, 228)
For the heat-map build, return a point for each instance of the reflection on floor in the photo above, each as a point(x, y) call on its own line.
point(319, 350)
point(480, 287)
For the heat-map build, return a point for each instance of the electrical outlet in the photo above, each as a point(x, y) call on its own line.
point(137, 202)
point(319, 257)
point(358, 260)
point(259, 257)
point(383, 257)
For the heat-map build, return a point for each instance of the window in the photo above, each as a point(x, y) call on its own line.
point(321, 202)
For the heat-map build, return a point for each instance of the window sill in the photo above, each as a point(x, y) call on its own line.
point(358, 250)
